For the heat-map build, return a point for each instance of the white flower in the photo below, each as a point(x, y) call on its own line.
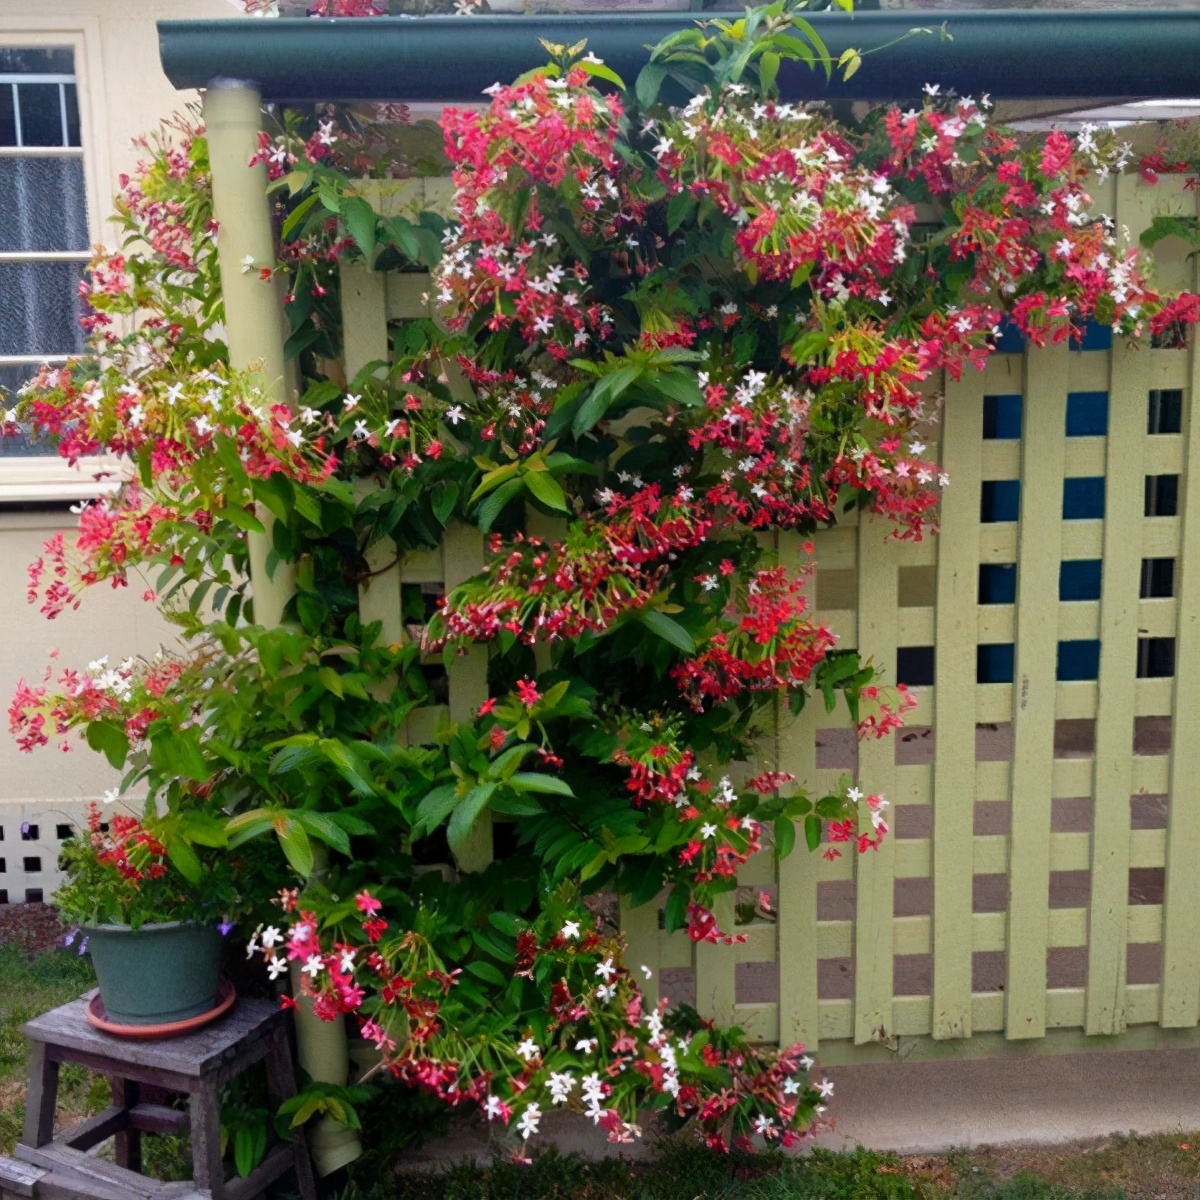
point(313, 966)
point(807, 1063)
point(791, 1087)
point(586, 1046)
point(360, 429)
point(932, 89)
point(606, 991)
point(708, 830)
point(709, 582)
point(530, 1119)
point(561, 1086)
point(454, 414)
point(493, 1109)
point(276, 967)
point(825, 1087)
point(528, 1050)
point(111, 795)
point(247, 264)
point(347, 963)
point(570, 930)
point(649, 974)
point(854, 795)
point(271, 937)
point(606, 970)
point(351, 402)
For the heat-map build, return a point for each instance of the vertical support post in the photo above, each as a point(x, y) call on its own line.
point(254, 331)
point(1181, 902)
point(1035, 687)
point(956, 637)
point(253, 319)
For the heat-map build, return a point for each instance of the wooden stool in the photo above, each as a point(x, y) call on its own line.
point(198, 1064)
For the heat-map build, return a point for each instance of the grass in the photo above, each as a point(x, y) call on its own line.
point(29, 987)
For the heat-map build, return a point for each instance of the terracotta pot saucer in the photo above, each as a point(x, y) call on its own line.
point(98, 1018)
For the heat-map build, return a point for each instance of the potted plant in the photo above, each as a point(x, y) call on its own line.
point(151, 928)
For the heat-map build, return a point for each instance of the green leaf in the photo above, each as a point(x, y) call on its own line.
point(443, 498)
point(601, 71)
point(494, 505)
point(680, 207)
point(467, 813)
point(108, 738)
point(548, 785)
point(768, 69)
point(325, 829)
point(649, 80)
point(331, 681)
point(249, 1146)
point(360, 224)
point(297, 849)
point(785, 836)
point(487, 972)
point(185, 860)
point(546, 488)
point(812, 831)
point(669, 630)
point(434, 809)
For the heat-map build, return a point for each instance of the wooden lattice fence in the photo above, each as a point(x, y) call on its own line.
point(1046, 797)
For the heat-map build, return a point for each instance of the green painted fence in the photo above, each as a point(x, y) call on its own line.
point(1041, 880)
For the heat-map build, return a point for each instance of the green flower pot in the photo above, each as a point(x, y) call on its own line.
point(157, 973)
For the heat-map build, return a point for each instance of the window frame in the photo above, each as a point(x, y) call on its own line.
point(44, 479)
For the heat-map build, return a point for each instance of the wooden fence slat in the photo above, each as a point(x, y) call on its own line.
point(642, 937)
point(364, 322)
point(1039, 537)
point(954, 707)
point(715, 967)
point(1129, 383)
point(878, 591)
point(797, 895)
point(1181, 904)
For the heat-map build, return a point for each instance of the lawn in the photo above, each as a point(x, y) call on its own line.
point(1120, 1168)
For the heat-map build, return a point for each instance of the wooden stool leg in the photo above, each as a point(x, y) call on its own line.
point(281, 1086)
point(209, 1171)
point(41, 1097)
point(125, 1093)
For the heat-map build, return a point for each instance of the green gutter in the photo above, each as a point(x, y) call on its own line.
point(1027, 55)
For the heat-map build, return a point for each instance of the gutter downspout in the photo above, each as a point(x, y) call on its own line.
point(1028, 54)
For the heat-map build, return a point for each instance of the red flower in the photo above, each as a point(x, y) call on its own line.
point(527, 691)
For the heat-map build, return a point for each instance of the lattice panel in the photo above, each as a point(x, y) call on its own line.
point(1046, 795)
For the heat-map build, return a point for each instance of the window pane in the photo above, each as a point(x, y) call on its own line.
point(18, 446)
point(41, 308)
point(71, 98)
point(25, 61)
point(41, 114)
point(8, 122)
point(42, 204)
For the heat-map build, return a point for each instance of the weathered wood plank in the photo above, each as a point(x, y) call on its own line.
point(41, 1096)
point(91, 1131)
point(18, 1178)
point(956, 638)
point(1181, 906)
point(191, 1056)
point(715, 968)
point(96, 1179)
point(1043, 432)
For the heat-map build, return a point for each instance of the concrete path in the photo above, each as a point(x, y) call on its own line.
point(926, 1107)
point(929, 1107)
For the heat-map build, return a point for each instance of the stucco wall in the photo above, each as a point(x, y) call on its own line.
point(122, 93)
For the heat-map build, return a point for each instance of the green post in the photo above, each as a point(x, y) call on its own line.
point(253, 320)
point(254, 332)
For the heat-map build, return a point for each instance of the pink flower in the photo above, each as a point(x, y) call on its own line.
point(367, 903)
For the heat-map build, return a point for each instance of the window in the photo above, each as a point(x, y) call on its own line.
point(44, 236)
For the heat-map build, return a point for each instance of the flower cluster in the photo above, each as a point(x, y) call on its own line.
point(591, 1044)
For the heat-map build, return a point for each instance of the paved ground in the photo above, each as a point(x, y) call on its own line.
point(929, 1107)
point(925, 1107)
